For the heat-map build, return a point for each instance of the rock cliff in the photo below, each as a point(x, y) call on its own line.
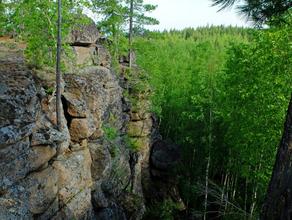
point(95, 166)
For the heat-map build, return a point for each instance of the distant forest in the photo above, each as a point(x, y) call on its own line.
point(221, 93)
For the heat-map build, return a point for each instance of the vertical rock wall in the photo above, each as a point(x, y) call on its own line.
point(94, 167)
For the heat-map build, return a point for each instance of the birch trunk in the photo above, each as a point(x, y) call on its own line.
point(206, 187)
point(131, 33)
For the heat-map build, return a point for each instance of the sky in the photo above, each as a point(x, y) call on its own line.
point(180, 14)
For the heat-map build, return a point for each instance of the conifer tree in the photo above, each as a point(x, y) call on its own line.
point(117, 15)
point(137, 17)
point(258, 11)
point(112, 22)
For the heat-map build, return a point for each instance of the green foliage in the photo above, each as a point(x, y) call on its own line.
point(140, 9)
point(220, 92)
point(223, 91)
point(259, 11)
point(114, 151)
point(7, 8)
point(111, 133)
point(129, 143)
point(134, 144)
point(115, 16)
point(50, 90)
point(35, 23)
point(165, 210)
point(258, 76)
point(2, 17)
point(111, 24)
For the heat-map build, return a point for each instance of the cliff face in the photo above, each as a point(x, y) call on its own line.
point(94, 167)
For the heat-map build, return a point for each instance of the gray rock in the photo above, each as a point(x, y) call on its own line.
point(19, 105)
point(140, 128)
point(103, 57)
point(41, 155)
point(50, 174)
point(14, 163)
point(165, 155)
point(74, 174)
point(48, 136)
point(75, 104)
point(98, 198)
point(46, 132)
point(84, 34)
point(79, 207)
point(111, 213)
point(84, 56)
point(101, 160)
point(11, 209)
point(42, 190)
point(92, 95)
point(119, 177)
point(50, 212)
point(31, 195)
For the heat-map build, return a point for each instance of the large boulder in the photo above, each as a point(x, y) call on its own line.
point(101, 160)
point(78, 207)
point(74, 174)
point(79, 129)
point(140, 128)
point(111, 213)
point(92, 55)
point(41, 155)
point(103, 57)
point(42, 190)
point(28, 134)
point(19, 104)
point(84, 34)
point(14, 163)
point(164, 156)
point(89, 98)
point(84, 55)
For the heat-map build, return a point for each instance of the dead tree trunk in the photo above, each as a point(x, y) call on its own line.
point(58, 68)
point(278, 202)
point(131, 32)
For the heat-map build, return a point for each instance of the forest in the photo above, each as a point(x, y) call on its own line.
point(220, 93)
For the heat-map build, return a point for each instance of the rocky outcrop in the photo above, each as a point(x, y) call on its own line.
point(164, 161)
point(165, 155)
point(83, 33)
point(95, 166)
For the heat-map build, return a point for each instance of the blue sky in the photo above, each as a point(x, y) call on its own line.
point(179, 14)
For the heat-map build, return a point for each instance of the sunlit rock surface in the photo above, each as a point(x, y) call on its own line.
point(88, 170)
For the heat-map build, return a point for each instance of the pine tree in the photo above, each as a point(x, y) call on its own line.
point(259, 11)
point(137, 18)
point(112, 22)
